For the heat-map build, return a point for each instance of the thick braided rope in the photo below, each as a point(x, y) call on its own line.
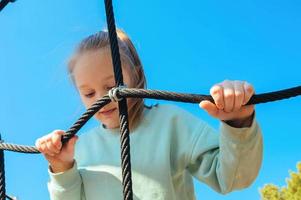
point(138, 93)
point(2, 175)
point(85, 117)
point(153, 94)
point(114, 43)
point(3, 196)
point(9, 197)
point(4, 3)
point(126, 93)
point(122, 105)
point(197, 98)
point(69, 133)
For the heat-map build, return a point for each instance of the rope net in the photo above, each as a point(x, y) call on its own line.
point(123, 93)
point(120, 93)
point(150, 94)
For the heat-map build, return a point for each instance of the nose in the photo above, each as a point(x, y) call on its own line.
point(100, 94)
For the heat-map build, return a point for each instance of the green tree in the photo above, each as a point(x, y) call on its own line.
point(290, 192)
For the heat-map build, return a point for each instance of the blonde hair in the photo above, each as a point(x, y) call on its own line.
point(129, 57)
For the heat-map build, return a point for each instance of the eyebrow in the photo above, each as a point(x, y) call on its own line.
point(86, 86)
point(83, 86)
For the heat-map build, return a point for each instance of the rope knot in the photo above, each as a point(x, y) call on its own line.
point(114, 93)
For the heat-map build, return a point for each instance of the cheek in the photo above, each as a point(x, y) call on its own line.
point(131, 83)
point(87, 102)
point(129, 78)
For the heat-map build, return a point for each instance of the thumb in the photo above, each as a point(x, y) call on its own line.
point(71, 143)
point(209, 107)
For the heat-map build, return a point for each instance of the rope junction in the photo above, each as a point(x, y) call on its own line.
point(122, 93)
point(119, 94)
point(122, 105)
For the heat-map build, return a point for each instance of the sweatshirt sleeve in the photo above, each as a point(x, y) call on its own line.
point(228, 162)
point(66, 185)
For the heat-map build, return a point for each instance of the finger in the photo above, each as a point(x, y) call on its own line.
point(247, 111)
point(71, 144)
point(43, 147)
point(210, 108)
point(38, 145)
point(239, 95)
point(50, 150)
point(217, 94)
point(56, 139)
point(249, 91)
point(228, 96)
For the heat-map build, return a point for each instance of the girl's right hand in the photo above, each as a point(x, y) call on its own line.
point(59, 156)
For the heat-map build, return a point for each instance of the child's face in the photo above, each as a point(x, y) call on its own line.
point(94, 77)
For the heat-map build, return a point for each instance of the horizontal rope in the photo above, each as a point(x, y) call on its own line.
point(197, 98)
point(151, 94)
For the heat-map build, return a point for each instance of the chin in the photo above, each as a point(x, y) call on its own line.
point(112, 126)
point(109, 125)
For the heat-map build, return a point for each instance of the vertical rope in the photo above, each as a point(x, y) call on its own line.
point(123, 111)
point(2, 175)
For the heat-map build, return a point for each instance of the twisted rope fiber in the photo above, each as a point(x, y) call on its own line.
point(136, 93)
point(122, 105)
point(69, 133)
point(114, 43)
point(85, 117)
point(4, 3)
point(126, 93)
point(196, 98)
point(3, 196)
point(153, 94)
point(2, 176)
point(9, 198)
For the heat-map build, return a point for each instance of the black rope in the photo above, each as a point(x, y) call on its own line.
point(152, 94)
point(85, 117)
point(197, 98)
point(2, 175)
point(114, 43)
point(4, 3)
point(122, 105)
point(124, 93)
point(136, 93)
point(10, 198)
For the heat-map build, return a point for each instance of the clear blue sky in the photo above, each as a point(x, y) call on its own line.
point(185, 47)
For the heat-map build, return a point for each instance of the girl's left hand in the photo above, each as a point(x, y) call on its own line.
point(230, 98)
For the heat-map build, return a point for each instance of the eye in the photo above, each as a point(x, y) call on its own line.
point(109, 87)
point(89, 95)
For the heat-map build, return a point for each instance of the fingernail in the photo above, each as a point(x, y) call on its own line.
point(219, 106)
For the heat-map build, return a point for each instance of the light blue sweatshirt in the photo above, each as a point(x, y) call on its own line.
point(168, 148)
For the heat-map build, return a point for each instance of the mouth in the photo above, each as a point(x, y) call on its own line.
point(108, 112)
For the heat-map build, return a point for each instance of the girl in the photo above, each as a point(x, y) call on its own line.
point(169, 146)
